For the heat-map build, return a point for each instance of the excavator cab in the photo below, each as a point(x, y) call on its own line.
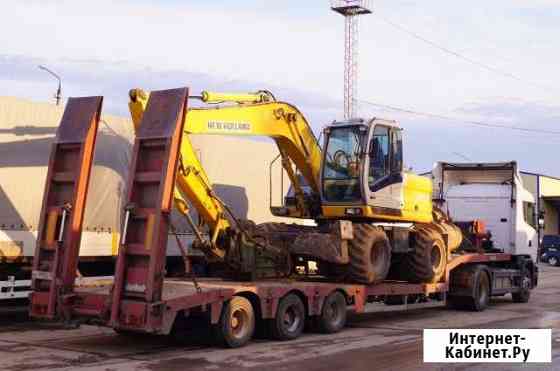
point(362, 174)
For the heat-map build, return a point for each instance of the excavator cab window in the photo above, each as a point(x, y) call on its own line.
point(341, 170)
point(385, 156)
point(396, 151)
point(379, 153)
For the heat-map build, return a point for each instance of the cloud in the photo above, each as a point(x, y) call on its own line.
point(428, 140)
point(298, 45)
point(114, 80)
point(296, 50)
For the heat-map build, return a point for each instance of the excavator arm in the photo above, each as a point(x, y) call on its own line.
point(249, 115)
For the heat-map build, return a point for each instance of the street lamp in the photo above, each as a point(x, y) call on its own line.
point(58, 95)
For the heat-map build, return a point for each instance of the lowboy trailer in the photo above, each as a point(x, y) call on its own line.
point(142, 300)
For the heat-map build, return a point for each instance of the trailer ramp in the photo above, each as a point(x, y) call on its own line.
point(62, 213)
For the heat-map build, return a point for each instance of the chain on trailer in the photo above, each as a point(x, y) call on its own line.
point(184, 255)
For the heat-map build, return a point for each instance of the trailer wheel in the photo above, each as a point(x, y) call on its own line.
point(370, 254)
point(481, 291)
point(289, 321)
point(333, 314)
point(237, 323)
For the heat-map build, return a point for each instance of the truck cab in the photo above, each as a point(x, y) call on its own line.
point(494, 194)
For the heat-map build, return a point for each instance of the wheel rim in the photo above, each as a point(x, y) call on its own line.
point(553, 260)
point(435, 255)
point(239, 322)
point(375, 254)
point(526, 283)
point(291, 319)
point(332, 311)
point(483, 289)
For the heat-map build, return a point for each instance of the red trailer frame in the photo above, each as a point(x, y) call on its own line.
point(62, 213)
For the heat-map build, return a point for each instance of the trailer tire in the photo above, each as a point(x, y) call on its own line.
point(236, 325)
point(481, 290)
point(333, 314)
point(370, 254)
point(289, 321)
point(428, 260)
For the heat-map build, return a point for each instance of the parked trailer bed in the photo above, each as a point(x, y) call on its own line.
point(308, 299)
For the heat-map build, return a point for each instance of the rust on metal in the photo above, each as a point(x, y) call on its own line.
point(140, 269)
point(62, 212)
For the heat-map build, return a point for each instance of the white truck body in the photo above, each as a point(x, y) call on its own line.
point(493, 193)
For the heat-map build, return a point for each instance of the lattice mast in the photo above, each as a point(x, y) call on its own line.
point(351, 10)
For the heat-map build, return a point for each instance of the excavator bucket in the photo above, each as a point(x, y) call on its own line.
point(62, 213)
point(139, 274)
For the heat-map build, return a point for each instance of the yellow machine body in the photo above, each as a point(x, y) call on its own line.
point(259, 114)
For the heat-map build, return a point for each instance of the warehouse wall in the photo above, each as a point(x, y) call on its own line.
point(547, 190)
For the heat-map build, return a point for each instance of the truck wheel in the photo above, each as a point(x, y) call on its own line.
point(237, 323)
point(428, 260)
point(370, 254)
point(524, 294)
point(333, 314)
point(481, 291)
point(290, 318)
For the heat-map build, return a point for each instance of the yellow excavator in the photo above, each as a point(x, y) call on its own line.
point(374, 220)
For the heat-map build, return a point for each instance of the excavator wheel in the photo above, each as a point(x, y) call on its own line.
point(428, 260)
point(370, 254)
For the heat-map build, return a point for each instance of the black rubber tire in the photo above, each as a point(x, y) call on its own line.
point(333, 314)
point(524, 295)
point(289, 321)
point(237, 323)
point(554, 261)
point(370, 254)
point(428, 260)
point(481, 292)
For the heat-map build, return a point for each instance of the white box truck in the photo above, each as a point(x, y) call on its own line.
point(494, 194)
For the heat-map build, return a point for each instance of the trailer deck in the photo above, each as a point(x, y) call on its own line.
point(93, 303)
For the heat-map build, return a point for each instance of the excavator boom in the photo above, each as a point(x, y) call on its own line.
point(255, 114)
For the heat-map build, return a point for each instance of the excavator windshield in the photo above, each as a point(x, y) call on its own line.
point(342, 163)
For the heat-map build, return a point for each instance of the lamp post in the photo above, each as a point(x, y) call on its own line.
point(58, 95)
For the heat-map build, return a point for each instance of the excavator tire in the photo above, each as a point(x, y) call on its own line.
point(428, 260)
point(370, 254)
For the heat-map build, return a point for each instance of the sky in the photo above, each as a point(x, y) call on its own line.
point(506, 75)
